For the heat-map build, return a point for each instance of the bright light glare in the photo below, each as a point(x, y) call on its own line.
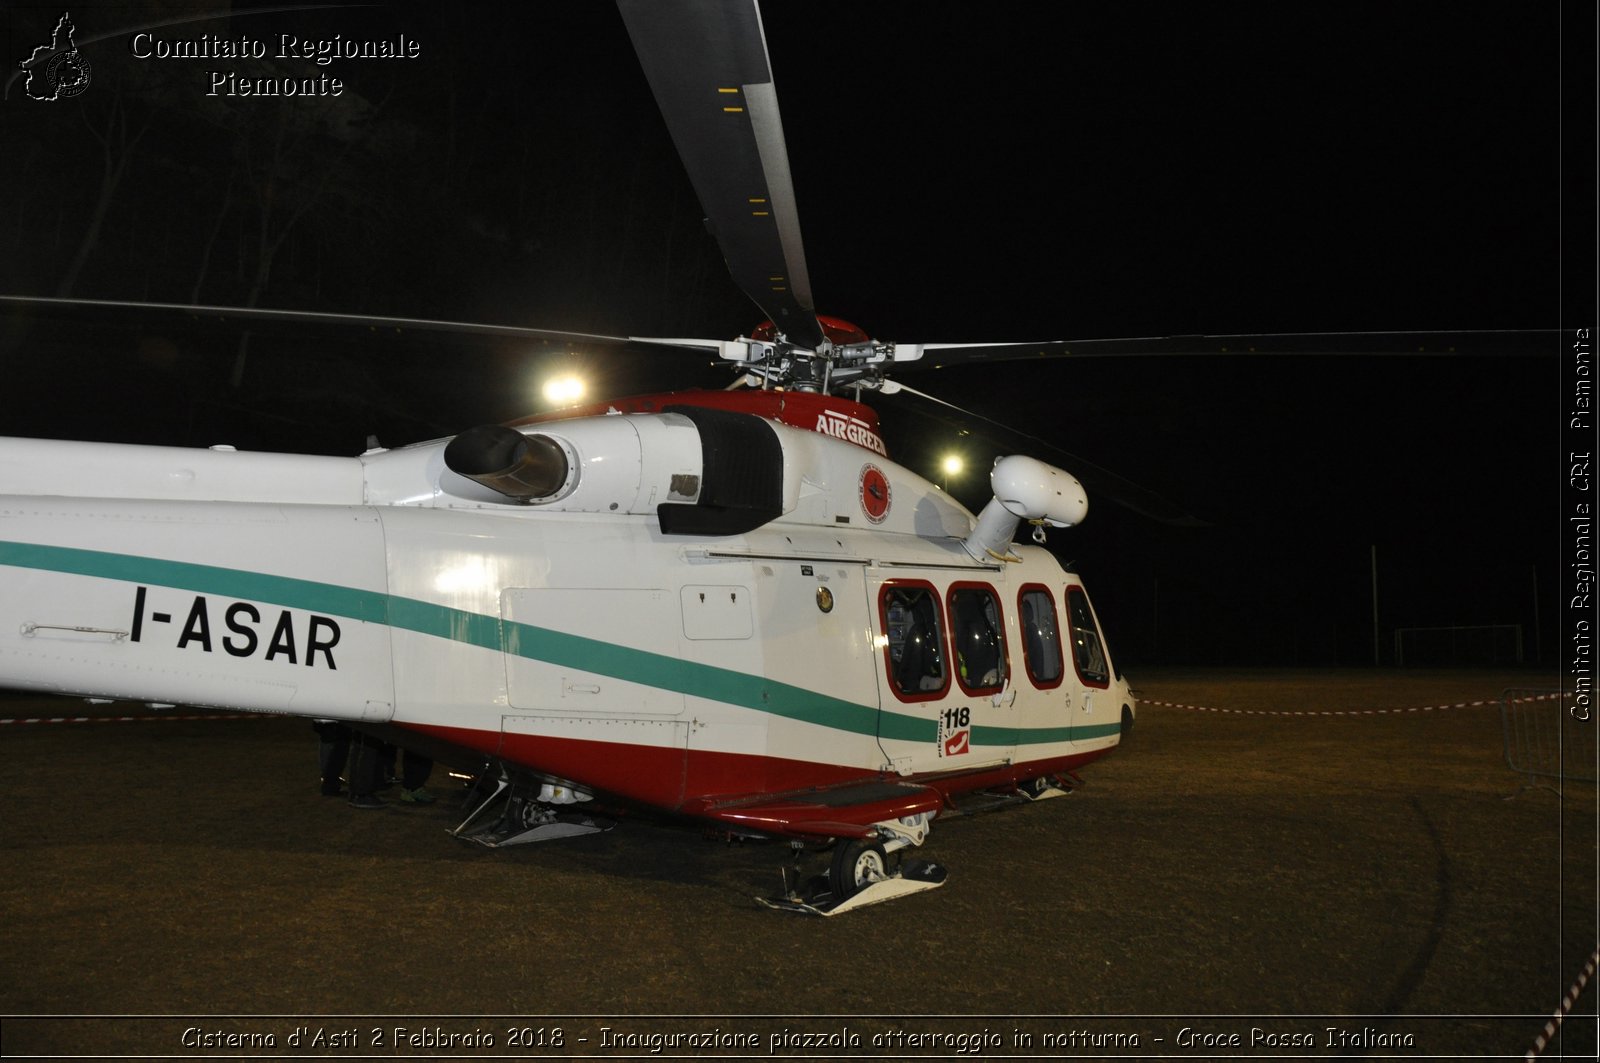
point(564, 390)
point(952, 464)
point(472, 574)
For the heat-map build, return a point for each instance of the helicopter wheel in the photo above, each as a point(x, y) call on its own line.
point(857, 863)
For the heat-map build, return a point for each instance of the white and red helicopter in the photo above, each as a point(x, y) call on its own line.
point(730, 608)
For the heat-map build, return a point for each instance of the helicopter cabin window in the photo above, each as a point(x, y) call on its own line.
point(1088, 651)
point(913, 628)
point(978, 635)
point(1041, 637)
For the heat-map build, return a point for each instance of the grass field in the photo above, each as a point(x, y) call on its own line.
point(1225, 872)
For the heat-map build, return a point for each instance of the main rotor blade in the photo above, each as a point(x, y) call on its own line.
point(1497, 343)
point(316, 317)
point(708, 68)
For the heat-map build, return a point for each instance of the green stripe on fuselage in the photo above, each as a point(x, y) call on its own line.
point(701, 680)
point(521, 640)
point(371, 606)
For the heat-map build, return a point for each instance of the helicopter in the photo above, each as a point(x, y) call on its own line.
point(725, 607)
point(614, 607)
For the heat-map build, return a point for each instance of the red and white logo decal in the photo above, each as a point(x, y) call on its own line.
point(874, 493)
point(955, 731)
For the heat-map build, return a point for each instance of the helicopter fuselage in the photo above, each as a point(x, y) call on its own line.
point(851, 638)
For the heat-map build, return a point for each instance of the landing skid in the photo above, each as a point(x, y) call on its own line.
point(1043, 788)
point(523, 820)
point(1049, 787)
point(561, 825)
point(816, 898)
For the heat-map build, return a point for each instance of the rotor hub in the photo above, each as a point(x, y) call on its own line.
point(837, 330)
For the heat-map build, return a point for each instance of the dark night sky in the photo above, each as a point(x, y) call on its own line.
point(963, 172)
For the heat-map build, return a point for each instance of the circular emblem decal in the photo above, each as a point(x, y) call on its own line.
point(874, 493)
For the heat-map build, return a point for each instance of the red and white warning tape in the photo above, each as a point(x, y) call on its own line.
point(1567, 1001)
point(19, 721)
point(1348, 712)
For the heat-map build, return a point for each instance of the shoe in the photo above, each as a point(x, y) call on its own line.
point(367, 801)
point(419, 796)
point(335, 792)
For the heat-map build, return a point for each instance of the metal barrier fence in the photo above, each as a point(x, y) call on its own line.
point(1544, 740)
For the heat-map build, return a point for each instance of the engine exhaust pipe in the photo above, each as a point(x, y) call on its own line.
point(527, 468)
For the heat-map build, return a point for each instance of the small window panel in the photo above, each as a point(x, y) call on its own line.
point(913, 652)
point(1041, 636)
point(1088, 650)
point(977, 634)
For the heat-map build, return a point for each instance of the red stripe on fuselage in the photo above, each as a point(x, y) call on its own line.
point(675, 779)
